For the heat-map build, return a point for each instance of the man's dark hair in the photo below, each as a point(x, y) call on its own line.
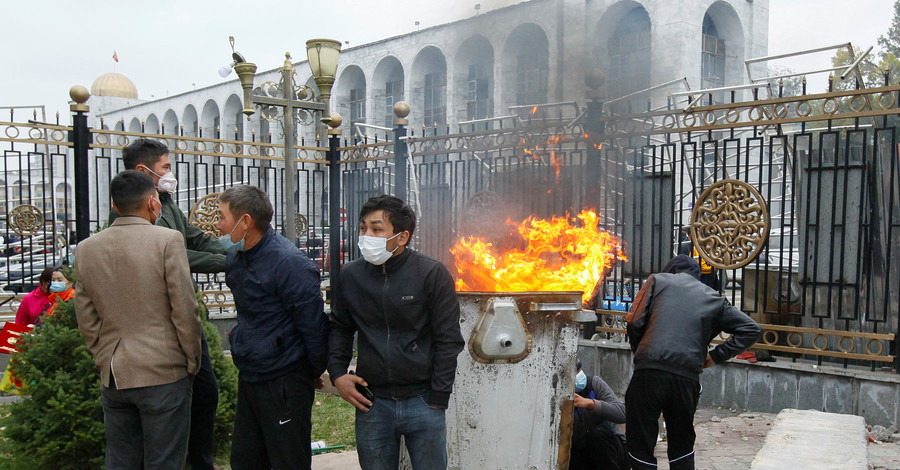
point(129, 189)
point(683, 264)
point(397, 213)
point(143, 152)
point(244, 199)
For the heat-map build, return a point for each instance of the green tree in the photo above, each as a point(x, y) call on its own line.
point(873, 72)
point(890, 42)
point(60, 425)
point(793, 86)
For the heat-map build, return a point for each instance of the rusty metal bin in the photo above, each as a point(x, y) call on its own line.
point(512, 405)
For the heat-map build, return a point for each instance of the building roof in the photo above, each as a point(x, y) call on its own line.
point(114, 84)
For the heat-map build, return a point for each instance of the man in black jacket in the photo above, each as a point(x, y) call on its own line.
point(671, 323)
point(404, 307)
point(280, 342)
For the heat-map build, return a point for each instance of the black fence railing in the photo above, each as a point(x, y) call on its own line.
point(826, 166)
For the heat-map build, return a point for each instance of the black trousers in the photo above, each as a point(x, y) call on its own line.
point(596, 447)
point(650, 393)
point(203, 414)
point(273, 422)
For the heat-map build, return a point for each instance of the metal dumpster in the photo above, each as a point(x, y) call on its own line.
point(512, 405)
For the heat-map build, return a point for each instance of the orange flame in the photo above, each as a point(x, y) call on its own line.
point(557, 257)
point(534, 110)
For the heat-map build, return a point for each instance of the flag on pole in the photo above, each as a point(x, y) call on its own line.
point(115, 56)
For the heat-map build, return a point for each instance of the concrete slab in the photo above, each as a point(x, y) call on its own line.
point(336, 461)
point(813, 439)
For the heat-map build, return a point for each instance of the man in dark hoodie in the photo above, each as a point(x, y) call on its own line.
point(671, 323)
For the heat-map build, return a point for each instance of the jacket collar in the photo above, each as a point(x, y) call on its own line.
point(129, 220)
point(265, 240)
point(395, 262)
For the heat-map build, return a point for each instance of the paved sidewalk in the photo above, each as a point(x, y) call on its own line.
point(727, 439)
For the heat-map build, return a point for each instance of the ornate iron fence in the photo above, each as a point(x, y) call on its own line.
point(823, 167)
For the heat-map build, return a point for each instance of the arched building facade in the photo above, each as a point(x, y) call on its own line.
point(533, 52)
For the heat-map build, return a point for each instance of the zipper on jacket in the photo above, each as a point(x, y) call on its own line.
point(387, 324)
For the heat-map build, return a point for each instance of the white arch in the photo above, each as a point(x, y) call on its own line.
point(388, 82)
point(624, 59)
point(350, 97)
point(731, 31)
point(170, 122)
point(525, 66)
point(189, 121)
point(233, 118)
point(429, 87)
point(151, 125)
point(210, 120)
point(473, 77)
point(134, 126)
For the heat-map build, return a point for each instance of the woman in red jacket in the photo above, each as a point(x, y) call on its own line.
point(34, 303)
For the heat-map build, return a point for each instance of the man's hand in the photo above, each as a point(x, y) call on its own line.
point(709, 361)
point(346, 386)
point(581, 402)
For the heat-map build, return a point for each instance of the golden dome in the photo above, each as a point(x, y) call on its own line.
point(114, 84)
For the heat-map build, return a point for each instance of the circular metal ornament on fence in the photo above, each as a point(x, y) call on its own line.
point(205, 214)
point(25, 220)
point(300, 225)
point(729, 224)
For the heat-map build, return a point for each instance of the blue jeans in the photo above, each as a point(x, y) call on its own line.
point(378, 434)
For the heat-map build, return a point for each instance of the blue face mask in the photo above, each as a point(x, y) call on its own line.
point(580, 381)
point(229, 245)
point(57, 286)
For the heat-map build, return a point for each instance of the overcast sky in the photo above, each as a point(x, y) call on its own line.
point(168, 47)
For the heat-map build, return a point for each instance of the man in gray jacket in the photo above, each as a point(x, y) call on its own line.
point(671, 323)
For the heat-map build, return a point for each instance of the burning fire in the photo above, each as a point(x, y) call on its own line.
point(555, 256)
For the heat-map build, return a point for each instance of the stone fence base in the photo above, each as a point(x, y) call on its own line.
point(768, 387)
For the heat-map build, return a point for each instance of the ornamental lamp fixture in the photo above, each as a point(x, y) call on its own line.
point(322, 55)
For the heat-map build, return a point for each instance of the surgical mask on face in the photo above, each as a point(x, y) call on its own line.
point(374, 249)
point(229, 245)
point(580, 381)
point(57, 286)
point(167, 182)
point(155, 215)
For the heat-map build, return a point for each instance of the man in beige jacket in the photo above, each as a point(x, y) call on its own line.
point(137, 312)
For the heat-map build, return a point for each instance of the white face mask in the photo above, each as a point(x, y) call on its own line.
point(167, 182)
point(150, 206)
point(374, 249)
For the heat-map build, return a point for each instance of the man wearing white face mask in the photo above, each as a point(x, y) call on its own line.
point(404, 308)
point(205, 255)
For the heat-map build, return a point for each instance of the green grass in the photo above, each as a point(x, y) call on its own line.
point(333, 421)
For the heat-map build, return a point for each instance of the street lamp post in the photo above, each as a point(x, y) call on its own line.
point(298, 105)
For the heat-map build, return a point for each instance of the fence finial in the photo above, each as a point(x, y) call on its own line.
point(79, 95)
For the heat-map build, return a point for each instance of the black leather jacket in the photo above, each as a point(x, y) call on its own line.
point(673, 319)
point(407, 316)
